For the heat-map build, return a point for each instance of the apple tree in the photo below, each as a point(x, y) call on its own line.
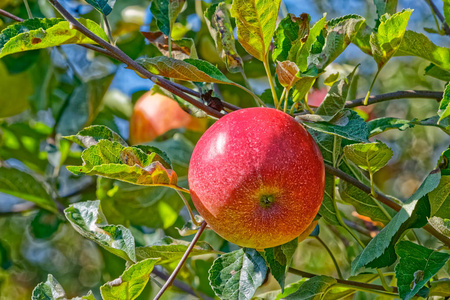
point(86, 213)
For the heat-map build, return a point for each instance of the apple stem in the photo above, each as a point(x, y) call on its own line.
point(182, 261)
point(188, 208)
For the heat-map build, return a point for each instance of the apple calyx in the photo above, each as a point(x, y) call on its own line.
point(266, 201)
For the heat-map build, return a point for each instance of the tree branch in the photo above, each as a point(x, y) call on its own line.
point(181, 263)
point(10, 15)
point(440, 16)
point(349, 283)
point(383, 199)
point(122, 57)
point(395, 95)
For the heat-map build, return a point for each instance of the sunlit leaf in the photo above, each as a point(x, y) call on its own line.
point(131, 283)
point(417, 44)
point(237, 275)
point(91, 135)
point(417, 265)
point(386, 41)
point(440, 288)
point(370, 157)
point(87, 218)
point(169, 250)
point(23, 185)
point(138, 165)
point(43, 33)
point(217, 18)
point(255, 22)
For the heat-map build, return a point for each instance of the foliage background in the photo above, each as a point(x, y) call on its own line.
point(35, 243)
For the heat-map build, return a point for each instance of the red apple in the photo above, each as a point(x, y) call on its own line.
point(155, 114)
point(257, 178)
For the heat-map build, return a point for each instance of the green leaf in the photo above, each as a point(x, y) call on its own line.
point(380, 251)
point(440, 288)
point(346, 124)
point(436, 72)
point(217, 19)
point(416, 266)
point(339, 33)
point(91, 135)
point(188, 70)
point(103, 6)
point(16, 90)
point(381, 125)
point(439, 198)
point(181, 49)
point(25, 186)
point(255, 22)
point(43, 33)
point(365, 204)
point(169, 250)
point(137, 165)
point(386, 41)
point(313, 289)
point(385, 6)
point(87, 218)
point(125, 203)
point(49, 290)
point(334, 101)
point(131, 283)
point(291, 31)
point(279, 259)
point(300, 50)
point(327, 209)
point(370, 157)
point(444, 108)
point(417, 44)
point(447, 11)
point(166, 12)
point(237, 275)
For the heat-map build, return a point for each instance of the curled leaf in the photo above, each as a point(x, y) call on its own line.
point(287, 73)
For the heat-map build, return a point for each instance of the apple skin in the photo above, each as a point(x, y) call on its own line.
point(257, 178)
point(155, 114)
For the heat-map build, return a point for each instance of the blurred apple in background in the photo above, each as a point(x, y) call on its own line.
point(154, 114)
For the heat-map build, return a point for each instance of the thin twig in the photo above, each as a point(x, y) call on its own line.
point(383, 199)
point(343, 281)
point(181, 285)
point(332, 257)
point(440, 16)
point(181, 263)
point(10, 15)
point(395, 95)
